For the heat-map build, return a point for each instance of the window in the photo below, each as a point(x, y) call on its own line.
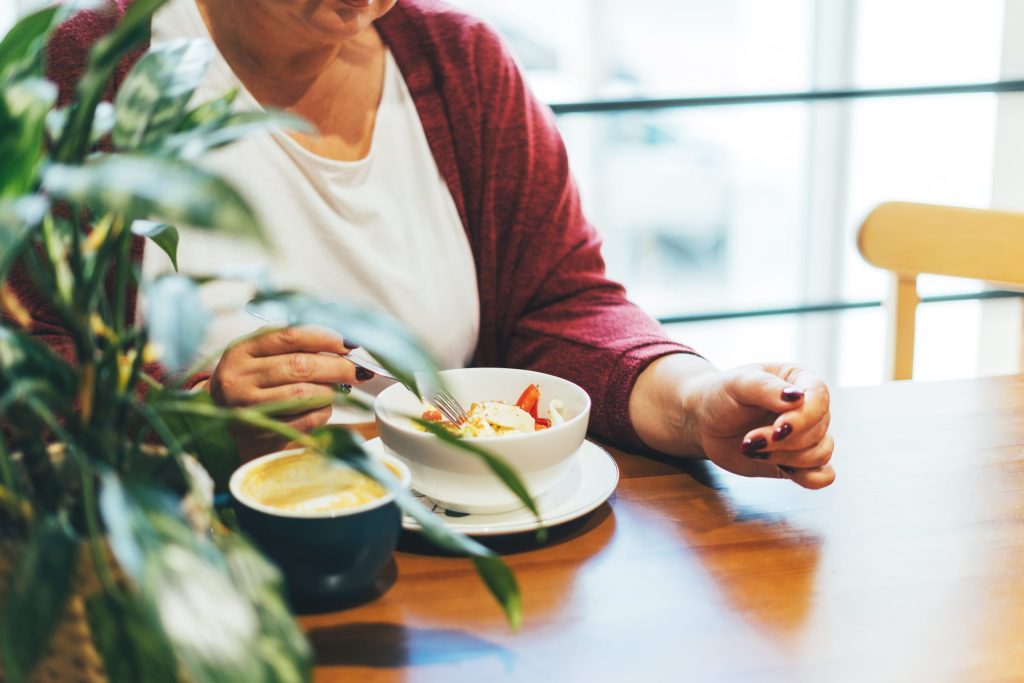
point(711, 209)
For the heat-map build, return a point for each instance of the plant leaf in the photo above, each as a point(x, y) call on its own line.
point(102, 122)
point(151, 102)
point(23, 358)
point(104, 57)
point(283, 647)
point(23, 108)
point(129, 640)
point(501, 469)
point(26, 37)
point(144, 187)
point(196, 142)
point(386, 338)
point(211, 625)
point(18, 218)
point(22, 49)
point(209, 113)
point(175, 319)
point(165, 236)
point(204, 436)
point(340, 443)
point(37, 596)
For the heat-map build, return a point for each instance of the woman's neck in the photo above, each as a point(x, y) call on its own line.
point(276, 62)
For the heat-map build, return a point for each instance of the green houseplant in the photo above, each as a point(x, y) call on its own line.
point(77, 185)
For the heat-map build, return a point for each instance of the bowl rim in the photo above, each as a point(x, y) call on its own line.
point(395, 419)
point(235, 482)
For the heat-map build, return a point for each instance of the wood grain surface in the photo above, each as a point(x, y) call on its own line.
point(909, 568)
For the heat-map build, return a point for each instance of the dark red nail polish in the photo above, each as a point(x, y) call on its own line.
point(362, 374)
point(792, 394)
point(752, 448)
point(782, 432)
point(351, 346)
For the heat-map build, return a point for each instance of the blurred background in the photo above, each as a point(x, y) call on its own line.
point(728, 151)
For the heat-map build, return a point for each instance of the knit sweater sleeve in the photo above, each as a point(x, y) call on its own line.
point(562, 315)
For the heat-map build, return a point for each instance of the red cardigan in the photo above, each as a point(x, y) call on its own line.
point(545, 303)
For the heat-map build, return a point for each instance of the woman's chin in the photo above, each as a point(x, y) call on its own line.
point(342, 20)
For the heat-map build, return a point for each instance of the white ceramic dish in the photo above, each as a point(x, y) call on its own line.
point(461, 481)
point(588, 484)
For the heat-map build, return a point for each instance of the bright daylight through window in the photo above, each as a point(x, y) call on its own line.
point(716, 209)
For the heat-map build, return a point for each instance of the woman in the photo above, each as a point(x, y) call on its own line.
point(438, 189)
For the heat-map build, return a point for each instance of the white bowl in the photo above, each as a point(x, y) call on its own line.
point(460, 481)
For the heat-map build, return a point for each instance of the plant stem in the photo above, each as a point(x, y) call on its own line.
point(99, 556)
point(6, 473)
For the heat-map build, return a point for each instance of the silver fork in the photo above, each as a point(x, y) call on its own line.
point(430, 390)
point(441, 398)
point(434, 394)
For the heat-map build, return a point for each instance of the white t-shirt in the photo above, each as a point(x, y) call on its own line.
point(382, 231)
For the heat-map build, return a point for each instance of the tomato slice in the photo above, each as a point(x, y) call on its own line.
point(541, 423)
point(433, 415)
point(528, 400)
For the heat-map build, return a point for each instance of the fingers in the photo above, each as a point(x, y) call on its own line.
point(797, 441)
point(756, 387)
point(814, 478)
point(297, 339)
point(318, 395)
point(291, 368)
point(788, 433)
point(307, 422)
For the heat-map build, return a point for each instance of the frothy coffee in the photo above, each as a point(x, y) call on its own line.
point(309, 483)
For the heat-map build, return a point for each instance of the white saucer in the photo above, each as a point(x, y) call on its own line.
point(588, 484)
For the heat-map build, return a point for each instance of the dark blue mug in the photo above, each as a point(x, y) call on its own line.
point(328, 558)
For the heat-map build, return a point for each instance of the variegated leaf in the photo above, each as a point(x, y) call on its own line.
point(210, 113)
point(175, 319)
point(105, 55)
point(194, 143)
point(151, 102)
point(18, 217)
point(163, 235)
point(145, 187)
point(211, 624)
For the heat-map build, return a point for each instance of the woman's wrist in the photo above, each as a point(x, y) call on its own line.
point(665, 404)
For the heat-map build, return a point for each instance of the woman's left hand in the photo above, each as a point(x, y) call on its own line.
point(761, 420)
point(766, 420)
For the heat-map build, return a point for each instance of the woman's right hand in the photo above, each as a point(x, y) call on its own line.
point(284, 364)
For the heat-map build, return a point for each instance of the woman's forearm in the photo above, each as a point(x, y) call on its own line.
point(664, 406)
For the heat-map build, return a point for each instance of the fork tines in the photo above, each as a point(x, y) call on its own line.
point(449, 407)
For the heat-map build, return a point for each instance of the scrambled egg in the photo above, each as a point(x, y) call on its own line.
point(497, 418)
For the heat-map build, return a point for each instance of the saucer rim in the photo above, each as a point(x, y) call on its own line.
point(529, 523)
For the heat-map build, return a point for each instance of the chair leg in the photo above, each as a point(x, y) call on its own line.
point(902, 315)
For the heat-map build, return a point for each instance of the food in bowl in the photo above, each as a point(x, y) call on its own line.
point(499, 418)
point(461, 481)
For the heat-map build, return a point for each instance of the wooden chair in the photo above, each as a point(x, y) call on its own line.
point(909, 239)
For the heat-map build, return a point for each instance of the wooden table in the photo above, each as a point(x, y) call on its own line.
point(909, 568)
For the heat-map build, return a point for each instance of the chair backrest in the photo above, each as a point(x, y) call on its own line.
point(909, 239)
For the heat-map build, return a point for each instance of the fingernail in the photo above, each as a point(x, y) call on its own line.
point(362, 374)
point(350, 346)
point(792, 394)
point(782, 432)
point(752, 448)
